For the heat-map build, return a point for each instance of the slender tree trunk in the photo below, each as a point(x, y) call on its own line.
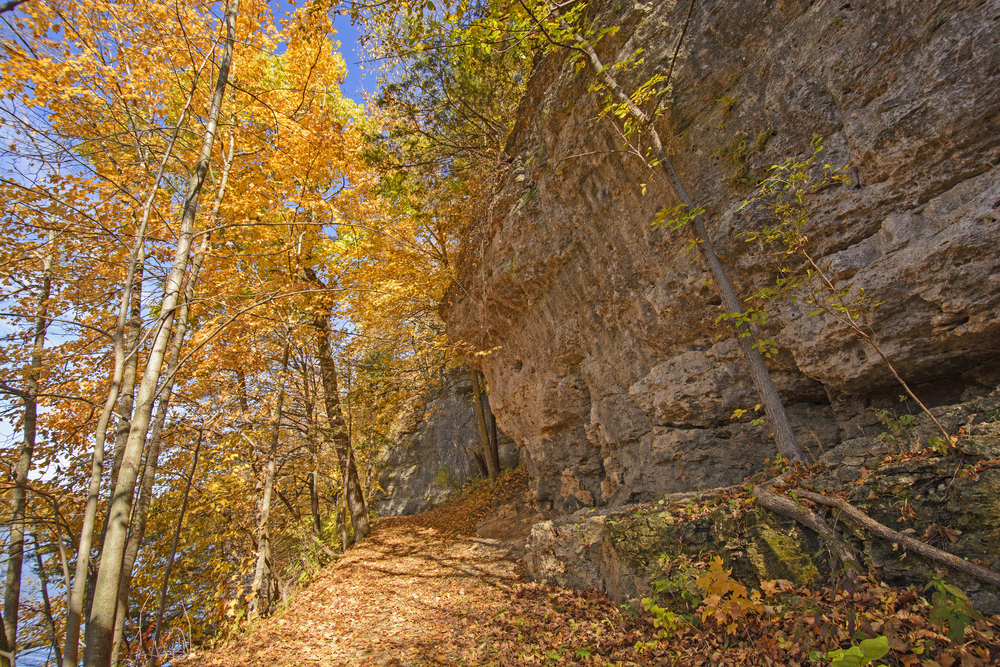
point(343, 518)
point(154, 654)
point(265, 502)
point(43, 580)
point(761, 377)
point(484, 436)
point(492, 422)
point(19, 494)
point(74, 605)
point(141, 513)
point(308, 402)
point(126, 399)
point(100, 629)
point(338, 430)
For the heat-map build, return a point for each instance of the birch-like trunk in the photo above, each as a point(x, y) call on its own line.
point(265, 502)
point(19, 494)
point(173, 552)
point(101, 625)
point(126, 399)
point(74, 605)
point(141, 513)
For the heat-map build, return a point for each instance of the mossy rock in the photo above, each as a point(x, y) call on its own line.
point(756, 544)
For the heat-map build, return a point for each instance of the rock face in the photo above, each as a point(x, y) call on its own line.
point(610, 370)
point(618, 551)
point(428, 460)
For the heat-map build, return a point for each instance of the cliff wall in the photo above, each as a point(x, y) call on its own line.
point(608, 368)
point(429, 458)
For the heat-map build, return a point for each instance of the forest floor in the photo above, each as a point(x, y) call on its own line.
point(422, 590)
point(427, 590)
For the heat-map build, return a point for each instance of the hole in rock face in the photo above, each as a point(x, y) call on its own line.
point(518, 365)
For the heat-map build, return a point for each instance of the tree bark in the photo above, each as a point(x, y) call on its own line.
point(126, 399)
point(265, 503)
point(494, 440)
point(787, 508)
point(101, 625)
point(19, 494)
point(43, 580)
point(309, 406)
point(353, 492)
point(484, 437)
point(141, 513)
point(74, 605)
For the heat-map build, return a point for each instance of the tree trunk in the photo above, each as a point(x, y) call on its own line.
point(484, 437)
point(101, 625)
point(141, 513)
point(338, 430)
point(308, 402)
point(126, 399)
point(173, 552)
point(494, 440)
point(775, 410)
point(19, 494)
point(265, 503)
point(43, 581)
point(74, 604)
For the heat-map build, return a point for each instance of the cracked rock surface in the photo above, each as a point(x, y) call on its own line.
point(608, 368)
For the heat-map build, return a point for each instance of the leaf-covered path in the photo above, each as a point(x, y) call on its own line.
point(412, 595)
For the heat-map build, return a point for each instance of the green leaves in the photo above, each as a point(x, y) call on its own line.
point(866, 653)
point(675, 217)
point(952, 611)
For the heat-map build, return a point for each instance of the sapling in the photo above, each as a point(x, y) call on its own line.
point(784, 194)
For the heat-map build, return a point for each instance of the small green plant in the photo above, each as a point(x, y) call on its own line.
point(784, 194)
point(737, 153)
point(897, 425)
point(951, 610)
point(865, 653)
point(726, 105)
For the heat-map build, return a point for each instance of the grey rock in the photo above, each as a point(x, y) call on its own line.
point(618, 551)
point(428, 461)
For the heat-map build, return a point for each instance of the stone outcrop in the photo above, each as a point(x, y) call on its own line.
point(608, 367)
point(428, 460)
point(618, 551)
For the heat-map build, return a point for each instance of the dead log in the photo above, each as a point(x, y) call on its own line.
point(910, 544)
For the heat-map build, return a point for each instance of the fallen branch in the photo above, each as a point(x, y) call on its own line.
point(326, 550)
point(927, 551)
point(787, 508)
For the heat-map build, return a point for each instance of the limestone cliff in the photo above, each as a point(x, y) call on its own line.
point(608, 367)
point(429, 460)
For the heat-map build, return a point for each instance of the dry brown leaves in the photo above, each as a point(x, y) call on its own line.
point(411, 595)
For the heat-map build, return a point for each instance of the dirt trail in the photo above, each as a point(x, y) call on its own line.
point(407, 595)
point(421, 591)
